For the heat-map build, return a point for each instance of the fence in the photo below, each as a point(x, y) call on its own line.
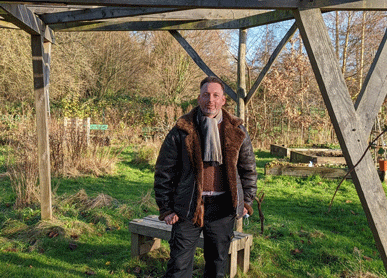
point(81, 128)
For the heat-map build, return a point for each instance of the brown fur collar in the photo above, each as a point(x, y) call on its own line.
point(232, 141)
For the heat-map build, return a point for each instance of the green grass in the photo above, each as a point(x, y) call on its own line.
point(301, 238)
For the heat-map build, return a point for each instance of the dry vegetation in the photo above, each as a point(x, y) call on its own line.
point(71, 155)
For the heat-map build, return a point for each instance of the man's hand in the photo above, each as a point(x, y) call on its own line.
point(171, 219)
point(244, 211)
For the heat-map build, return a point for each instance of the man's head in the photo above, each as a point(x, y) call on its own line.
point(211, 98)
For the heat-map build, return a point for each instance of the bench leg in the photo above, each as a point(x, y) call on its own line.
point(244, 258)
point(143, 244)
point(233, 260)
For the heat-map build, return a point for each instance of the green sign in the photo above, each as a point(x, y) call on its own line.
point(98, 127)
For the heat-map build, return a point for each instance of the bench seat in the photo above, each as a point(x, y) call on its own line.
point(148, 232)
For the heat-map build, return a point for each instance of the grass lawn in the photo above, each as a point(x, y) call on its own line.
point(300, 239)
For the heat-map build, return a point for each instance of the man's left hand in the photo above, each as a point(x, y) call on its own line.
point(244, 211)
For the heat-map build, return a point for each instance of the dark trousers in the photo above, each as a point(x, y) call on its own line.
point(217, 231)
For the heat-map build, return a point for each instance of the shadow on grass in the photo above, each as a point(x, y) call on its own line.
point(128, 159)
point(13, 265)
point(61, 260)
point(118, 187)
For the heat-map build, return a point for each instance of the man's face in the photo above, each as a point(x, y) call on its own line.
point(211, 99)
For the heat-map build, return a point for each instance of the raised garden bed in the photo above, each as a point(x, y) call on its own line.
point(318, 157)
point(282, 151)
point(304, 155)
point(302, 170)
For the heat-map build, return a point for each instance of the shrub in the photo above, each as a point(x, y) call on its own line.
point(70, 155)
point(74, 154)
point(147, 153)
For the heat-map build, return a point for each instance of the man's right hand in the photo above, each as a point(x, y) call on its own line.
point(171, 219)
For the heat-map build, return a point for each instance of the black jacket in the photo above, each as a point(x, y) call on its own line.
point(179, 168)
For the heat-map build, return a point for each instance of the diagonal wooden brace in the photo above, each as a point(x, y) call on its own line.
point(352, 126)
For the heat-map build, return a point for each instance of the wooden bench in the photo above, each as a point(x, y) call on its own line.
point(148, 232)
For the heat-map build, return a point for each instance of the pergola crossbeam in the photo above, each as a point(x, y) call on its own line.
point(100, 13)
point(22, 17)
point(228, 4)
point(190, 23)
point(145, 14)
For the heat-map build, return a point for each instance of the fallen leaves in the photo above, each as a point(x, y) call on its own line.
point(72, 246)
point(52, 234)
point(74, 236)
point(296, 251)
point(90, 272)
point(137, 270)
point(367, 258)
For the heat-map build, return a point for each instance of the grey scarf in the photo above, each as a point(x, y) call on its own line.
point(212, 149)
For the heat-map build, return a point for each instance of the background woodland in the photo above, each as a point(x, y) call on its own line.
point(136, 81)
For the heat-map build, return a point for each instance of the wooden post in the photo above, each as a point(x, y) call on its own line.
point(241, 92)
point(86, 129)
point(347, 122)
point(241, 80)
point(41, 52)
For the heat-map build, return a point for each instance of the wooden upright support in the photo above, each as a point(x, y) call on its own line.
point(241, 78)
point(351, 130)
point(41, 52)
point(241, 92)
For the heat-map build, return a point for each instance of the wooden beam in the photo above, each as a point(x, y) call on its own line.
point(347, 123)
point(272, 58)
point(190, 23)
point(22, 17)
point(133, 25)
point(226, 4)
point(100, 13)
point(146, 14)
point(41, 52)
point(374, 90)
point(196, 58)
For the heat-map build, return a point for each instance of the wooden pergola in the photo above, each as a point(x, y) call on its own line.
point(352, 122)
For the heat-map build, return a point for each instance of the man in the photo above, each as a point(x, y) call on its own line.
point(205, 177)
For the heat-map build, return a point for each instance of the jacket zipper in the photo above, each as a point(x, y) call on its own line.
point(189, 207)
